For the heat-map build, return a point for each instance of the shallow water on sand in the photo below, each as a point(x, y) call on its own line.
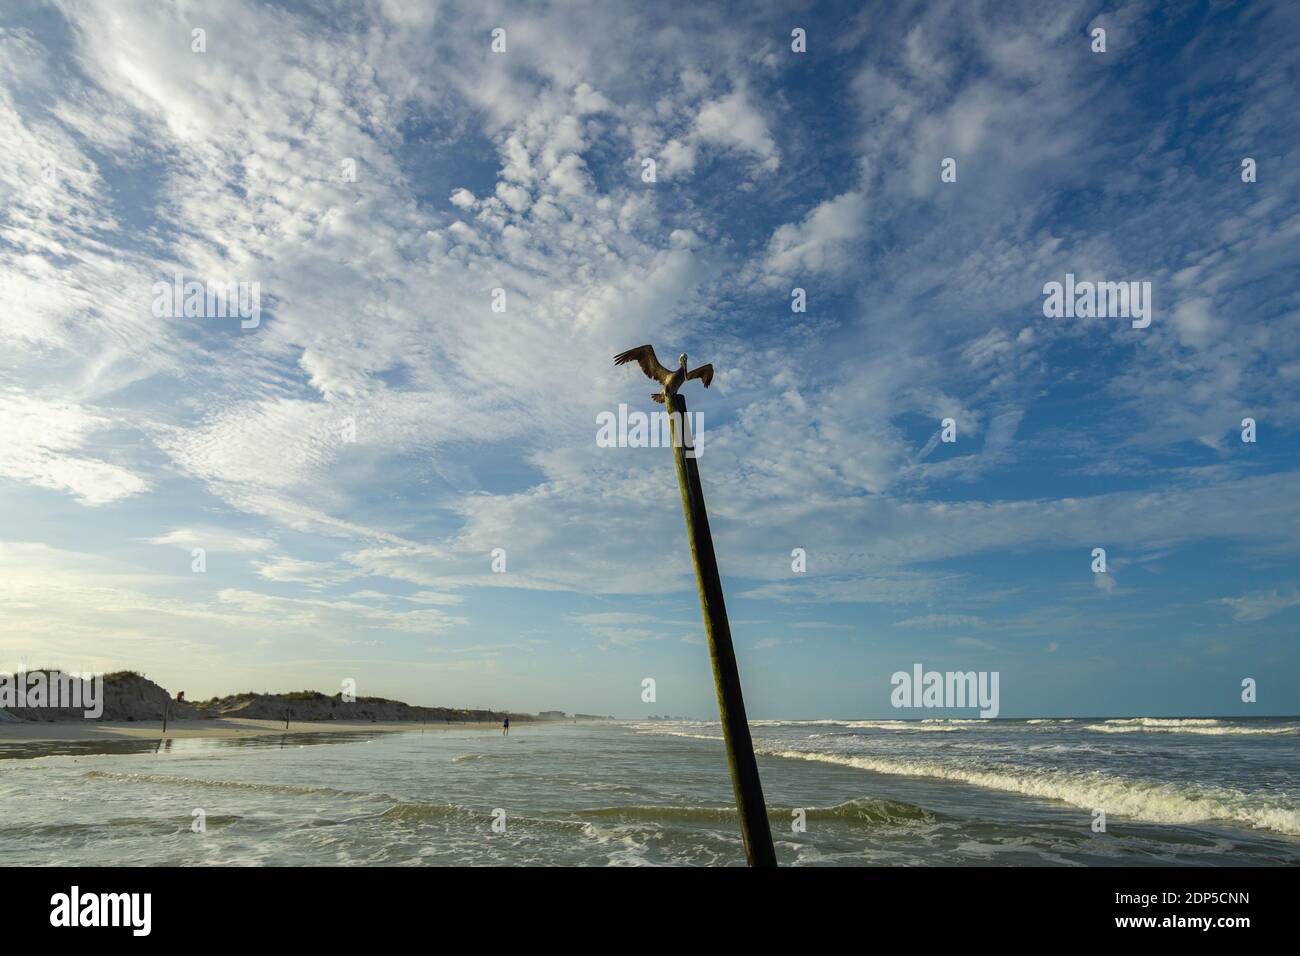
point(871, 792)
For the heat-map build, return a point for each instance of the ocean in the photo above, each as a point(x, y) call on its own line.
point(1195, 792)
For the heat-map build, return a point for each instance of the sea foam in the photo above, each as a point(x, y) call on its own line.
point(1141, 800)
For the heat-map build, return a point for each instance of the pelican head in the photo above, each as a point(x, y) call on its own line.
point(681, 360)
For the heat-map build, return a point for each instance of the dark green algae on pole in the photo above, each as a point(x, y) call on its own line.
point(754, 826)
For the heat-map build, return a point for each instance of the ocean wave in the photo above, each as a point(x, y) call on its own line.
point(917, 726)
point(1165, 721)
point(913, 726)
point(868, 810)
point(464, 757)
point(420, 812)
point(863, 810)
point(1140, 800)
point(1188, 725)
point(41, 831)
point(897, 723)
point(283, 789)
point(416, 813)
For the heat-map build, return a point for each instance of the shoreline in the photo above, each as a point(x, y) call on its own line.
point(216, 727)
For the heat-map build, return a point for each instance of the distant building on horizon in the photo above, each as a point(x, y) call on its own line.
point(552, 715)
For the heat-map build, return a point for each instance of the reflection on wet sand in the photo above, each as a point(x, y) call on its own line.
point(30, 749)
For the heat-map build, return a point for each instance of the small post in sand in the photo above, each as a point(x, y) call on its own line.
point(754, 826)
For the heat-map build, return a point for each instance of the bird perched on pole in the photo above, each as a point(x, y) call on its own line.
point(670, 379)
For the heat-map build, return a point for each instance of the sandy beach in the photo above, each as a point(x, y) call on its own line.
point(226, 727)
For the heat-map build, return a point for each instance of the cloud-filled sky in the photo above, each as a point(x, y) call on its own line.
point(349, 462)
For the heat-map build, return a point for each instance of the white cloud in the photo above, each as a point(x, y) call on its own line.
point(732, 122)
point(315, 574)
point(213, 539)
point(334, 617)
point(1194, 322)
point(1262, 604)
point(937, 621)
point(46, 444)
point(821, 243)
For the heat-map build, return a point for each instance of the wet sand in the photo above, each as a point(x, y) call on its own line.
point(87, 730)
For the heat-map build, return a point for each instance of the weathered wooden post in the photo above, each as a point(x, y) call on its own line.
point(754, 826)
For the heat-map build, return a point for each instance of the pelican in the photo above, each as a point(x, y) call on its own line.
point(670, 379)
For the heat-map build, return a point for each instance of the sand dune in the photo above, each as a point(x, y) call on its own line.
point(129, 697)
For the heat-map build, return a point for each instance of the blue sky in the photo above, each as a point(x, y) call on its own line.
point(130, 440)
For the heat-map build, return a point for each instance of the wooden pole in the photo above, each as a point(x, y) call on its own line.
point(754, 826)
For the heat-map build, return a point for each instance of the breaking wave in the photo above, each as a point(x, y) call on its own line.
point(1140, 800)
point(1198, 725)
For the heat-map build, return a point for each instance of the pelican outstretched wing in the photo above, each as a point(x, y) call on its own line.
point(704, 373)
point(644, 356)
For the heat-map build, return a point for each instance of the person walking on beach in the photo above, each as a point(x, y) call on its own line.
point(505, 727)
